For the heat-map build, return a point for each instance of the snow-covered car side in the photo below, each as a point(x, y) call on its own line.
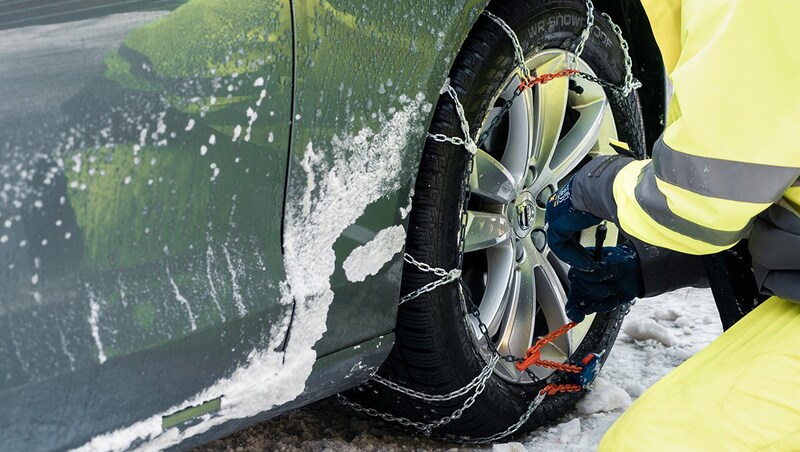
point(204, 206)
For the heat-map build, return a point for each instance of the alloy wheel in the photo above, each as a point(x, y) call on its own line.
point(548, 133)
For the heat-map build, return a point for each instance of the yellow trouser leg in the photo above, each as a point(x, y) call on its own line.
point(740, 393)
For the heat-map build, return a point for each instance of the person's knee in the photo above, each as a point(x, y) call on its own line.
point(740, 393)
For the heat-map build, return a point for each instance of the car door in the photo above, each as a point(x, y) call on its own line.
point(142, 169)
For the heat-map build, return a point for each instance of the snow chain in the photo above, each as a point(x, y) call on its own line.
point(590, 364)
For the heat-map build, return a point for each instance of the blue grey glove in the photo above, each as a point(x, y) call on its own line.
point(616, 280)
point(563, 223)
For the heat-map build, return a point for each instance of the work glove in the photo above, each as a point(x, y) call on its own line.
point(616, 280)
point(563, 223)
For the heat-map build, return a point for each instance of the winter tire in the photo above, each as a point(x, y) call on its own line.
point(517, 284)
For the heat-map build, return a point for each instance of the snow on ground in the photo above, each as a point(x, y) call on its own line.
point(658, 334)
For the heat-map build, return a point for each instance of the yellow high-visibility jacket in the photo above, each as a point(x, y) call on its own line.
point(731, 149)
point(725, 168)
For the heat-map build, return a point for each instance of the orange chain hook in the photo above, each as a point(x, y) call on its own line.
point(544, 78)
point(534, 354)
point(553, 389)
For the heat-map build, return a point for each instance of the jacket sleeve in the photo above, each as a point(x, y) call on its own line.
point(663, 270)
point(733, 146)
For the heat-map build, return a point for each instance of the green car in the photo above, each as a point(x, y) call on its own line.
point(211, 210)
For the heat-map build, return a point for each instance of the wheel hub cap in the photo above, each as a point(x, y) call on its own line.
point(524, 215)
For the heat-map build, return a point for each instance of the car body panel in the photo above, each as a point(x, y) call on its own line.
point(141, 256)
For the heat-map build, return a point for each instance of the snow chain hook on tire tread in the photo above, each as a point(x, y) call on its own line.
point(447, 277)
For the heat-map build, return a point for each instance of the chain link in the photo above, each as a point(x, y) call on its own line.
point(630, 83)
point(453, 275)
point(519, 54)
point(585, 34)
point(462, 118)
point(481, 378)
point(527, 80)
point(519, 57)
point(475, 312)
point(385, 416)
point(423, 267)
point(442, 138)
point(510, 430)
point(445, 277)
point(467, 141)
point(478, 384)
point(426, 427)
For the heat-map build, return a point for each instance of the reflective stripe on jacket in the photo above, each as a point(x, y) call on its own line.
point(732, 147)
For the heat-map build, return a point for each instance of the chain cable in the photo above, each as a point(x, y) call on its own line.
point(533, 355)
point(532, 407)
point(519, 54)
point(426, 427)
point(445, 277)
point(630, 83)
point(481, 378)
point(585, 35)
point(469, 144)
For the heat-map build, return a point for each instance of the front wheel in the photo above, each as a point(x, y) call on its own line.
point(488, 219)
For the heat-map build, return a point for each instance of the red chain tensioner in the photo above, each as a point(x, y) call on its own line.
point(586, 372)
point(544, 78)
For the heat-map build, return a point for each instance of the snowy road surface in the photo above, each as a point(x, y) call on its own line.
point(658, 334)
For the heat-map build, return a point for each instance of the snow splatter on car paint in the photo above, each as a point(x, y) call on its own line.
point(366, 167)
point(334, 196)
point(266, 380)
point(81, 209)
point(237, 295)
point(367, 260)
point(404, 211)
point(210, 259)
point(182, 300)
point(94, 319)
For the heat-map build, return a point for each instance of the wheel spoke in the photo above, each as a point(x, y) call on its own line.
point(549, 107)
point(519, 145)
point(491, 180)
point(485, 230)
point(568, 151)
point(577, 143)
point(517, 330)
point(561, 268)
point(552, 299)
point(501, 289)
